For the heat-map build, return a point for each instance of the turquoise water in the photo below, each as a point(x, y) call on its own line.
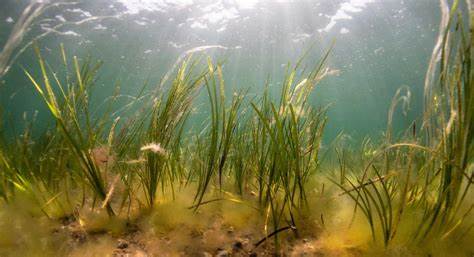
point(380, 45)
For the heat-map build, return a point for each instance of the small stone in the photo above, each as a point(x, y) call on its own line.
point(237, 245)
point(253, 255)
point(79, 236)
point(206, 254)
point(222, 253)
point(131, 227)
point(140, 253)
point(122, 244)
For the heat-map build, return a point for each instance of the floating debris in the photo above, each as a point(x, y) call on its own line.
point(154, 147)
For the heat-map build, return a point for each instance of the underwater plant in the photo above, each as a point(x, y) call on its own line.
point(430, 173)
point(70, 109)
point(222, 130)
point(167, 119)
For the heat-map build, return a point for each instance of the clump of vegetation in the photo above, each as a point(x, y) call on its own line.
point(98, 172)
point(422, 184)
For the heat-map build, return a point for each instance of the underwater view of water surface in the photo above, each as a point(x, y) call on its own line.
point(236, 128)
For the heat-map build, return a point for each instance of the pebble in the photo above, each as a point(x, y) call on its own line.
point(222, 253)
point(122, 244)
point(237, 245)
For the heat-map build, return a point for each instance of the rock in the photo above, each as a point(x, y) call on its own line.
point(131, 227)
point(126, 253)
point(122, 244)
point(206, 254)
point(253, 254)
point(79, 236)
point(237, 246)
point(67, 220)
point(140, 253)
point(120, 253)
point(222, 253)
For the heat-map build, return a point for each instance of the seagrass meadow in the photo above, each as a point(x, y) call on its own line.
point(198, 151)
